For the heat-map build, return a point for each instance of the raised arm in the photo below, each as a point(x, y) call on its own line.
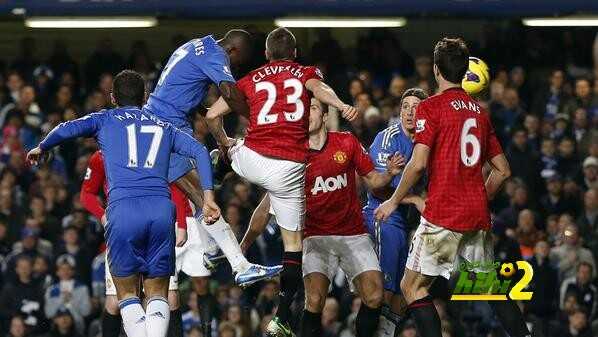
point(86, 126)
point(257, 224)
point(216, 123)
point(326, 95)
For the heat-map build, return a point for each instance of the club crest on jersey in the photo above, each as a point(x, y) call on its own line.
point(420, 125)
point(339, 157)
point(329, 184)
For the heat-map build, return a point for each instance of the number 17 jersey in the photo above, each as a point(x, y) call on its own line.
point(461, 139)
point(279, 109)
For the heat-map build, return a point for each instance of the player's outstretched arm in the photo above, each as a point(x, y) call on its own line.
point(499, 173)
point(234, 98)
point(214, 119)
point(188, 146)
point(86, 126)
point(413, 171)
point(376, 180)
point(257, 224)
point(326, 95)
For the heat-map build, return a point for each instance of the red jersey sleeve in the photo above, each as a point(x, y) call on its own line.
point(494, 148)
point(181, 203)
point(311, 72)
point(360, 158)
point(426, 127)
point(92, 184)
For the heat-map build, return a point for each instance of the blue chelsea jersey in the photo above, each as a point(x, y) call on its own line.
point(184, 81)
point(388, 142)
point(136, 147)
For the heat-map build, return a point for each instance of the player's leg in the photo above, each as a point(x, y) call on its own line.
point(124, 236)
point(131, 309)
point(175, 326)
point(160, 264)
point(220, 231)
point(359, 262)
point(111, 320)
point(316, 290)
point(478, 247)
point(432, 253)
point(320, 263)
point(290, 277)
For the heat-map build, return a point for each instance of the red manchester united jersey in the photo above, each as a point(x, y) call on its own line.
point(333, 206)
point(461, 139)
point(95, 179)
point(278, 109)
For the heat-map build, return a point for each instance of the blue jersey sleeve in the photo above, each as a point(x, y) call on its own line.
point(216, 67)
point(86, 126)
point(186, 145)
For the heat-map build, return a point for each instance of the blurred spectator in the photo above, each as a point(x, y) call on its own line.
point(30, 245)
point(330, 324)
point(227, 329)
point(61, 62)
point(72, 246)
point(63, 325)
point(531, 123)
point(68, 293)
point(23, 296)
point(545, 282)
point(571, 253)
point(554, 202)
point(590, 173)
point(511, 113)
point(103, 60)
point(525, 163)
point(17, 327)
point(568, 164)
point(550, 101)
point(527, 234)
point(581, 285)
point(548, 158)
point(583, 98)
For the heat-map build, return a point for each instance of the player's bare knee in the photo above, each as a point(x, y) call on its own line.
point(314, 300)
point(173, 300)
point(200, 285)
point(374, 298)
point(111, 305)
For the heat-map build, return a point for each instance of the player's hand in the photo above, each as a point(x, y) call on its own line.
point(35, 156)
point(383, 212)
point(211, 211)
point(104, 220)
point(395, 164)
point(181, 237)
point(349, 112)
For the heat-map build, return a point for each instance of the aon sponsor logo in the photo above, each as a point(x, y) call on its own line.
point(329, 184)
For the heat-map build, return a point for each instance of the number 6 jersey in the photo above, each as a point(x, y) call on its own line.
point(461, 139)
point(278, 109)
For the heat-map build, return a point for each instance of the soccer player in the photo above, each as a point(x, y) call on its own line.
point(183, 84)
point(335, 234)
point(274, 152)
point(391, 236)
point(139, 229)
point(187, 252)
point(454, 139)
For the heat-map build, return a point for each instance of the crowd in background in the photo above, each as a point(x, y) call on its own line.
point(543, 100)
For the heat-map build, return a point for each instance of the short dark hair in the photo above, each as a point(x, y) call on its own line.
point(451, 56)
point(415, 92)
point(128, 88)
point(281, 44)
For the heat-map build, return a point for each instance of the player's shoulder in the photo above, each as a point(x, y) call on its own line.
point(387, 136)
point(344, 139)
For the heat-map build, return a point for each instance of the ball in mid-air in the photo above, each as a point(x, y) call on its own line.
point(477, 77)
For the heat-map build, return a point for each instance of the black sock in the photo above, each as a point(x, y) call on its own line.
point(111, 325)
point(426, 317)
point(367, 320)
point(207, 305)
point(290, 280)
point(510, 317)
point(175, 326)
point(311, 325)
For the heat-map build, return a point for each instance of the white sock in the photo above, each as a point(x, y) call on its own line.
point(157, 317)
point(386, 328)
point(207, 242)
point(133, 317)
point(221, 232)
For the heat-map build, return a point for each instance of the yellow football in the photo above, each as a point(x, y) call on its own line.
point(477, 77)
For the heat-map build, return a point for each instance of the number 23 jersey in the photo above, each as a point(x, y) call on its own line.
point(279, 109)
point(461, 139)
